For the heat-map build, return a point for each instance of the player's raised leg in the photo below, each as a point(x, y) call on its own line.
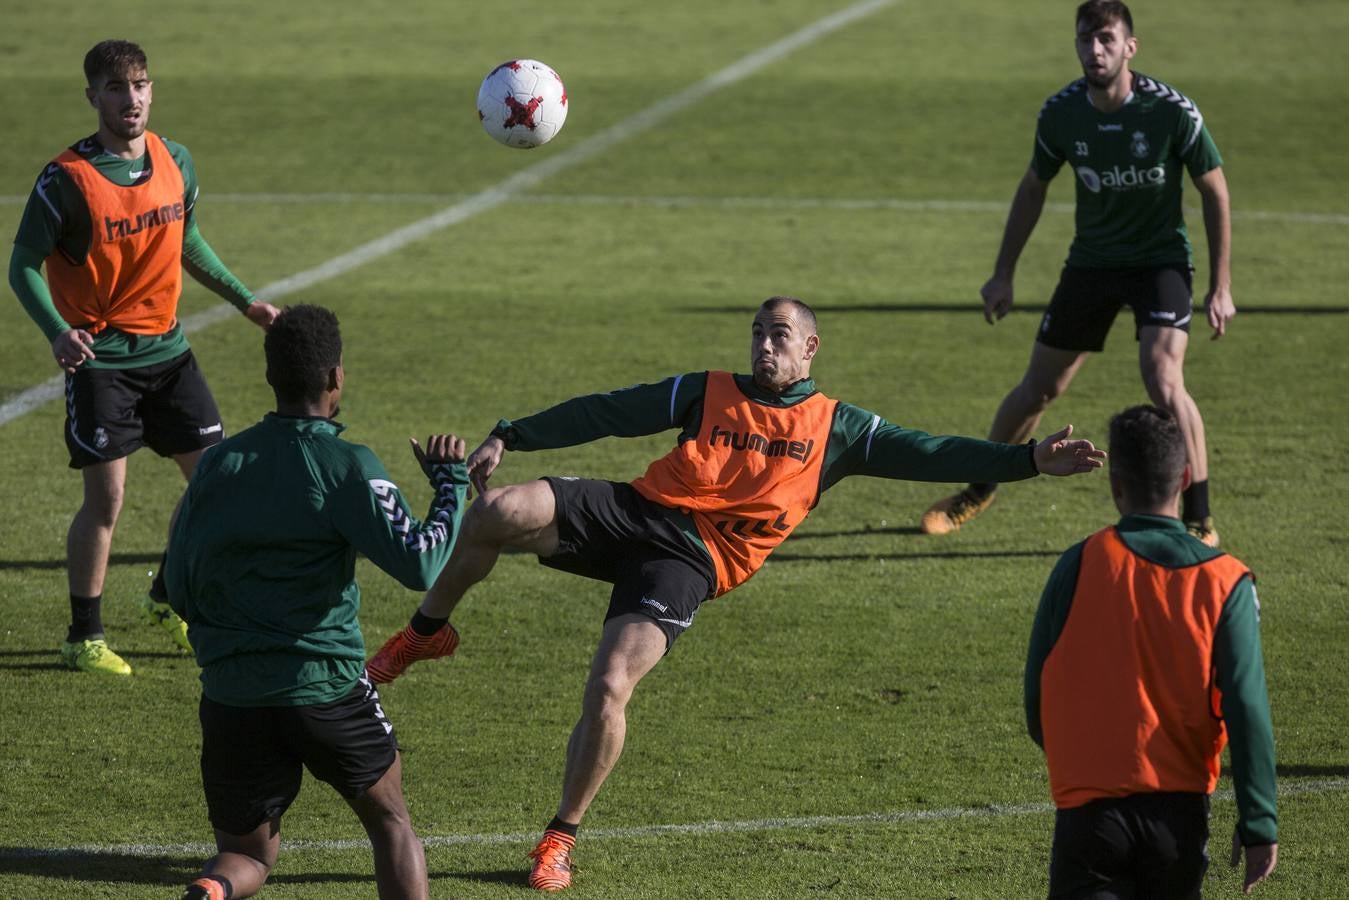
point(520, 516)
point(630, 647)
point(1161, 359)
point(1048, 375)
point(88, 543)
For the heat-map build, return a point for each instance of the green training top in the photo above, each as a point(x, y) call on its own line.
point(57, 218)
point(1237, 660)
point(1129, 170)
point(262, 557)
point(860, 442)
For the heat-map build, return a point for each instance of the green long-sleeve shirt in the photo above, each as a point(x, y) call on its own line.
point(262, 557)
point(860, 442)
point(56, 218)
point(1237, 659)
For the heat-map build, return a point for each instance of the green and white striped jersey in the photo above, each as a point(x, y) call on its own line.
point(1128, 165)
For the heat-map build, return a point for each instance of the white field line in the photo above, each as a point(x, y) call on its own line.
point(885, 204)
point(492, 197)
point(714, 826)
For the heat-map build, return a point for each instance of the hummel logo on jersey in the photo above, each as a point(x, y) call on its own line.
point(1118, 179)
point(115, 229)
point(757, 443)
point(1109, 126)
point(136, 174)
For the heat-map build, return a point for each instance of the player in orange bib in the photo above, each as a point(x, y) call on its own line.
point(754, 454)
point(112, 220)
point(1144, 662)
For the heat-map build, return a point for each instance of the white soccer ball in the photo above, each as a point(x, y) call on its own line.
point(522, 103)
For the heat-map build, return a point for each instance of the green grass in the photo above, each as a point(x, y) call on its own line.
point(867, 671)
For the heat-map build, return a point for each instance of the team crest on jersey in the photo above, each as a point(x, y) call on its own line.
point(1139, 146)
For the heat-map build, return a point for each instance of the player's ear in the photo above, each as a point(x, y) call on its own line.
point(90, 94)
point(1186, 478)
point(812, 346)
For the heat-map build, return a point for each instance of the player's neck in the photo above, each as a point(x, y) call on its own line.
point(1111, 97)
point(133, 148)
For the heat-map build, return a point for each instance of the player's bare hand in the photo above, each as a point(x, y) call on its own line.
point(1057, 455)
point(261, 313)
point(72, 348)
point(1221, 309)
point(997, 294)
point(1260, 861)
point(440, 448)
point(483, 462)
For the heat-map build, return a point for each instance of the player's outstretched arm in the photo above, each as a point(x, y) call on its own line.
point(1260, 861)
point(483, 461)
point(1057, 455)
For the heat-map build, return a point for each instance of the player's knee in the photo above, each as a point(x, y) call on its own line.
point(502, 512)
point(606, 695)
point(102, 506)
point(1165, 386)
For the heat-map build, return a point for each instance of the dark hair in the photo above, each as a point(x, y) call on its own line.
point(302, 346)
point(1098, 14)
point(804, 313)
point(111, 59)
point(1147, 454)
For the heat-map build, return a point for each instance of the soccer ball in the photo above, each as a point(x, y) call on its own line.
point(522, 103)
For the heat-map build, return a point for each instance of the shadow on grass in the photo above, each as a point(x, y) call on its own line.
point(968, 308)
point(501, 876)
point(96, 866)
point(151, 559)
point(45, 660)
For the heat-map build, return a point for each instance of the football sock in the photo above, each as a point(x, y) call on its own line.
point(425, 625)
point(561, 827)
point(982, 489)
point(1194, 502)
point(86, 618)
point(158, 592)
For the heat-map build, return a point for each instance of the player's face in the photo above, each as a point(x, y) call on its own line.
point(1104, 52)
point(123, 104)
point(780, 348)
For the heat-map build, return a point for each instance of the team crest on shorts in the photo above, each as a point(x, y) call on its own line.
point(100, 438)
point(1139, 145)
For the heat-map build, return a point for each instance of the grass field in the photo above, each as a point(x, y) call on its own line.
point(847, 724)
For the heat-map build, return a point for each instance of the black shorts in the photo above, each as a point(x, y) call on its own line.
point(167, 407)
point(1086, 301)
point(252, 758)
point(608, 531)
point(1143, 845)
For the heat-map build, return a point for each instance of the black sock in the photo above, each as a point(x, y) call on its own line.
point(196, 892)
point(982, 489)
point(425, 625)
point(158, 592)
point(1194, 502)
point(566, 828)
point(86, 618)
